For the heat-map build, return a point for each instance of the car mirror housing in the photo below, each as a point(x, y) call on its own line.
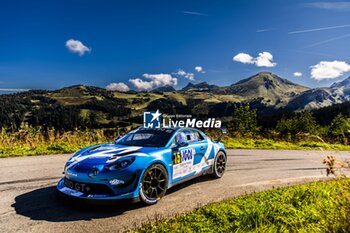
point(182, 144)
point(117, 138)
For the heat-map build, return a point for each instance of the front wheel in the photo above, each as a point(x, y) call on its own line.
point(153, 185)
point(219, 165)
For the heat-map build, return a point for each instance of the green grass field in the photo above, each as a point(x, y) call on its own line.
point(71, 142)
point(313, 207)
point(249, 143)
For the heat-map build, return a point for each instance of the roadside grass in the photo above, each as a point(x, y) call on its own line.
point(313, 207)
point(18, 151)
point(34, 141)
point(249, 143)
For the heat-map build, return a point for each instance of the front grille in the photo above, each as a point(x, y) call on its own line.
point(87, 187)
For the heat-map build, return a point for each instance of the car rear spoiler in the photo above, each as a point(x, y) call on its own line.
point(223, 132)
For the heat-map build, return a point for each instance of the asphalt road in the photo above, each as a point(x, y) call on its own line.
point(28, 202)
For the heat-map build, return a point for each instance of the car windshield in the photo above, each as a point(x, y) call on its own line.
point(147, 137)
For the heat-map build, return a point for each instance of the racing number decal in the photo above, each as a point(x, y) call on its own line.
point(183, 155)
point(176, 157)
point(183, 162)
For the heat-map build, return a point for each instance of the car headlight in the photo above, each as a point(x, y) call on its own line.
point(121, 163)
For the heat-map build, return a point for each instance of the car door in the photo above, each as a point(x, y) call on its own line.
point(183, 159)
point(200, 145)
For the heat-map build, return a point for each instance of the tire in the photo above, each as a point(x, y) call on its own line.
point(153, 184)
point(219, 166)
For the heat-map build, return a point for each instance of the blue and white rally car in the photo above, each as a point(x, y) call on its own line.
point(142, 165)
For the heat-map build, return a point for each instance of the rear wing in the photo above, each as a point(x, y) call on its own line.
point(223, 132)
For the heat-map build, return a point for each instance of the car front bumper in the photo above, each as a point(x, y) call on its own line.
point(68, 192)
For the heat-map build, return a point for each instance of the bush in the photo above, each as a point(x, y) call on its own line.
point(244, 121)
point(340, 129)
point(300, 123)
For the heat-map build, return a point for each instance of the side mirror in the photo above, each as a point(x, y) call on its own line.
point(117, 138)
point(182, 144)
point(224, 131)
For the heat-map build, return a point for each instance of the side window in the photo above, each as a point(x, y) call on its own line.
point(189, 135)
point(173, 143)
point(196, 136)
point(199, 136)
point(179, 135)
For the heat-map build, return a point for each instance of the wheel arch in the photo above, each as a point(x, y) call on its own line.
point(222, 150)
point(154, 162)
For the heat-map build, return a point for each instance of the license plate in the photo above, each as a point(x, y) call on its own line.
point(80, 187)
point(71, 192)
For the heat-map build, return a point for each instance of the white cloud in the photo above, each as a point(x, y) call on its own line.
point(264, 59)
point(77, 46)
point(244, 58)
point(190, 76)
point(141, 85)
point(199, 69)
point(297, 74)
point(182, 73)
point(155, 80)
point(329, 70)
point(122, 87)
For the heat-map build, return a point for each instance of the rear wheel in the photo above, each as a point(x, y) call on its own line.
point(219, 165)
point(154, 183)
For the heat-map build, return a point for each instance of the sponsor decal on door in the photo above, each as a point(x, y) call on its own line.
point(183, 162)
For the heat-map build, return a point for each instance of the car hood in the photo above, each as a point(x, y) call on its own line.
point(107, 153)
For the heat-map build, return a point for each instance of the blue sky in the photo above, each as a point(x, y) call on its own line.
point(153, 43)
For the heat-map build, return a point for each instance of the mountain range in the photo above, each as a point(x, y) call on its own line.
point(87, 106)
point(272, 90)
point(265, 88)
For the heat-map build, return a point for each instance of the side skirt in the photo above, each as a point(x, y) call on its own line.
point(209, 170)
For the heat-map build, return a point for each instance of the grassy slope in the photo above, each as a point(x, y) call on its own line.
point(314, 207)
point(248, 143)
point(68, 146)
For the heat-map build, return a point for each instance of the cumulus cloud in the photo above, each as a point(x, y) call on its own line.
point(264, 59)
point(199, 69)
point(297, 74)
point(244, 58)
point(152, 81)
point(329, 70)
point(141, 85)
point(122, 87)
point(182, 73)
point(77, 46)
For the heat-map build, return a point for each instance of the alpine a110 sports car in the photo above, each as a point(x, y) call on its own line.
point(142, 165)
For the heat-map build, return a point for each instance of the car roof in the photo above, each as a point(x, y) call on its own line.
point(173, 128)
